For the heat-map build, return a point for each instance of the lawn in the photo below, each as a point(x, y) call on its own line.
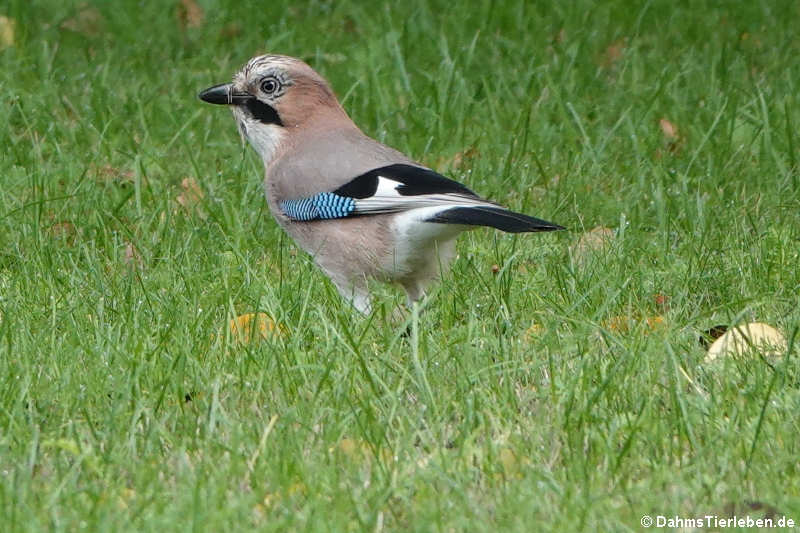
point(551, 383)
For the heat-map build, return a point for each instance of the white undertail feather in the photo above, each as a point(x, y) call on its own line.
point(422, 249)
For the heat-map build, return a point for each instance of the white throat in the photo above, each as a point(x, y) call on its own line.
point(264, 138)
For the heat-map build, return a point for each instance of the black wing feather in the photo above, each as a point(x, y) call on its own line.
point(494, 217)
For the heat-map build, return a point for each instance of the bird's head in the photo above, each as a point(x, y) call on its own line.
point(274, 96)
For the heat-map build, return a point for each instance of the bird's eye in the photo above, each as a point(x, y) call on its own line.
point(269, 85)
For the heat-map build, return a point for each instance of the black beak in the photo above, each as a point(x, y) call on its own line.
point(224, 94)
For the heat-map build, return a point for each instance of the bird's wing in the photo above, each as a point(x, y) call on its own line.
point(390, 189)
point(399, 188)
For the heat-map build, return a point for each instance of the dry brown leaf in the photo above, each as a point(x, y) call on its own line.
point(350, 447)
point(259, 324)
point(131, 256)
point(457, 160)
point(191, 196)
point(7, 31)
point(108, 173)
point(88, 21)
point(671, 135)
point(612, 54)
point(62, 230)
point(591, 242)
point(190, 14)
point(669, 129)
point(231, 30)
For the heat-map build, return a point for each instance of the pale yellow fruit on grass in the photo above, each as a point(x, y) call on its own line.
point(755, 337)
point(259, 325)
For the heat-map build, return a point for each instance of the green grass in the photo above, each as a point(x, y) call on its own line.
point(125, 405)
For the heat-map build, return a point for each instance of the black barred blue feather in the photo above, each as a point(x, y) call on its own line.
point(322, 206)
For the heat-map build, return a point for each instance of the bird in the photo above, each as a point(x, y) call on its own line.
point(361, 209)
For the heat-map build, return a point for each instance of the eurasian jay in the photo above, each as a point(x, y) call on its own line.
point(361, 209)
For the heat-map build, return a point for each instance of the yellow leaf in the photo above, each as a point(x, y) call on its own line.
point(349, 446)
point(533, 331)
point(7, 30)
point(258, 323)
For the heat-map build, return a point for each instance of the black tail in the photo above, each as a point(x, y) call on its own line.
point(495, 217)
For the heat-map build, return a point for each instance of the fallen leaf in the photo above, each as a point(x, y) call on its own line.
point(753, 337)
point(457, 160)
point(131, 256)
point(613, 53)
point(7, 31)
point(624, 324)
point(654, 322)
point(191, 196)
point(88, 21)
point(62, 230)
point(669, 129)
point(108, 173)
point(619, 324)
point(259, 323)
point(350, 447)
point(509, 460)
point(671, 135)
point(592, 242)
point(125, 497)
point(533, 331)
point(231, 30)
point(190, 14)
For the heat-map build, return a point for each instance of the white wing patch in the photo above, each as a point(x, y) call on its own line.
point(387, 199)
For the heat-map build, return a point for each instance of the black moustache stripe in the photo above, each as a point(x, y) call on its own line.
point(263, 112)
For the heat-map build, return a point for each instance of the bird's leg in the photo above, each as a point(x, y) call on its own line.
point(415, 291)
point(357, 293)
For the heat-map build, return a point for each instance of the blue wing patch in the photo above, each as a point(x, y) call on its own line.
point(323, 206)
